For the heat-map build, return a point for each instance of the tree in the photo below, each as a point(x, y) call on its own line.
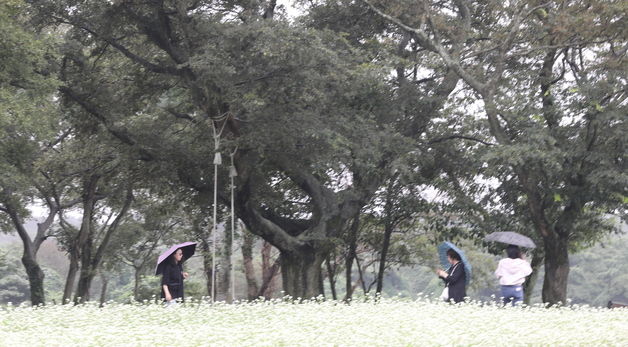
point(270, 268)
point(29, 131)
point(312, 111)
point(152, 224)
point(551, 78)
point(199, 97)
point(398, 209)
point(103, 184)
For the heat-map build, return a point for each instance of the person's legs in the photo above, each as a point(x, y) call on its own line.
point(517, 295)
point(512, 294)
point(505, 291)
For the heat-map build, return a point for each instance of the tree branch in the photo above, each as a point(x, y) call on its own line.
point(92, 109)
point(442, 139)
point(134, 57)
point(434, 46)
point(269, 11)
point(112, 228)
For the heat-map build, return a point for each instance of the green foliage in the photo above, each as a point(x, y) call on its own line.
point(26, 85)
point(149, 290)
point(596, 274)
point(27, 109)
point(13, 284)
point(53, 285)
point(24, 54)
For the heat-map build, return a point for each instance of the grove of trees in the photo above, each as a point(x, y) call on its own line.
point(357, 133)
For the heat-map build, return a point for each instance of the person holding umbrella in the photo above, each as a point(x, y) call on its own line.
point(454, 278)
point(512, 272)
point(170, 266)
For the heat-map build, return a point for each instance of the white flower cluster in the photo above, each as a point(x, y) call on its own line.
point(383, 322)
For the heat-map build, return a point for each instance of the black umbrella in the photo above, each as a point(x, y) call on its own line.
point(511, 238)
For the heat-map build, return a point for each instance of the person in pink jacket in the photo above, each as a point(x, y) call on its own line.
point(512, 273)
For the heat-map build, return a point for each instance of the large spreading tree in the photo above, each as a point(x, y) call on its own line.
point(550, 78)
point(307, 116)
point(29, 131)
point(316, 115)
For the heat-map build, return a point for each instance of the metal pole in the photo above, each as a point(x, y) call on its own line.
point(213, 294)
point(232, 174)
point(217, 161)
point(232, 241)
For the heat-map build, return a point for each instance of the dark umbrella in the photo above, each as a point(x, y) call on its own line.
point(442, 255)
point(188, 249)
point(511, 238)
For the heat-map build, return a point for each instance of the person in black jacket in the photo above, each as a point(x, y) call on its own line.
point(172, 279)
point(454, 277)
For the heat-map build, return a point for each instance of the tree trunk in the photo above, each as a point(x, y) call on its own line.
point(87, 271)
point(321, 285)
point(382, 260)
point(365, 290)
point(91, 259)
point(82, 291)
point(266, 266)
point(555, 242)
point(300, 272)
point(269, 280)
point(225, 282)
point(249, 269)
point(35, 279)
point(69, 281)
point(136, 285)
point(356, 284)
point(530, 283)
point(207, 267)
point(73, 255)
point(103, 290)
point(303, 243)
point(83, 242)
point(556, 270)
point(269, 272)
point(351, 254)
point(86, 275)
point(348, 274)
point(332, 278)
point(29, 256)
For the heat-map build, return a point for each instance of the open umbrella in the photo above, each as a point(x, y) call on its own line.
point(188, 249)
point(442, 255)
point(511, 238)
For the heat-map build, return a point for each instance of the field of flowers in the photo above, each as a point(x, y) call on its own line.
point(389, 322)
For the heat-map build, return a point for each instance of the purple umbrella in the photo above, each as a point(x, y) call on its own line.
point(188, 249)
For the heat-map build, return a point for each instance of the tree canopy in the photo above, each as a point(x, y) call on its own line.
point(333, 125)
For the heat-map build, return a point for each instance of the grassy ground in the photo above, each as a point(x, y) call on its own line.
point(390, 322)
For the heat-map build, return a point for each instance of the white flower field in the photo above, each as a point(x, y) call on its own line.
point(389, 322)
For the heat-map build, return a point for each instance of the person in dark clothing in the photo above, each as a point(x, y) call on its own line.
point(172, 279)
point(454, 277)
